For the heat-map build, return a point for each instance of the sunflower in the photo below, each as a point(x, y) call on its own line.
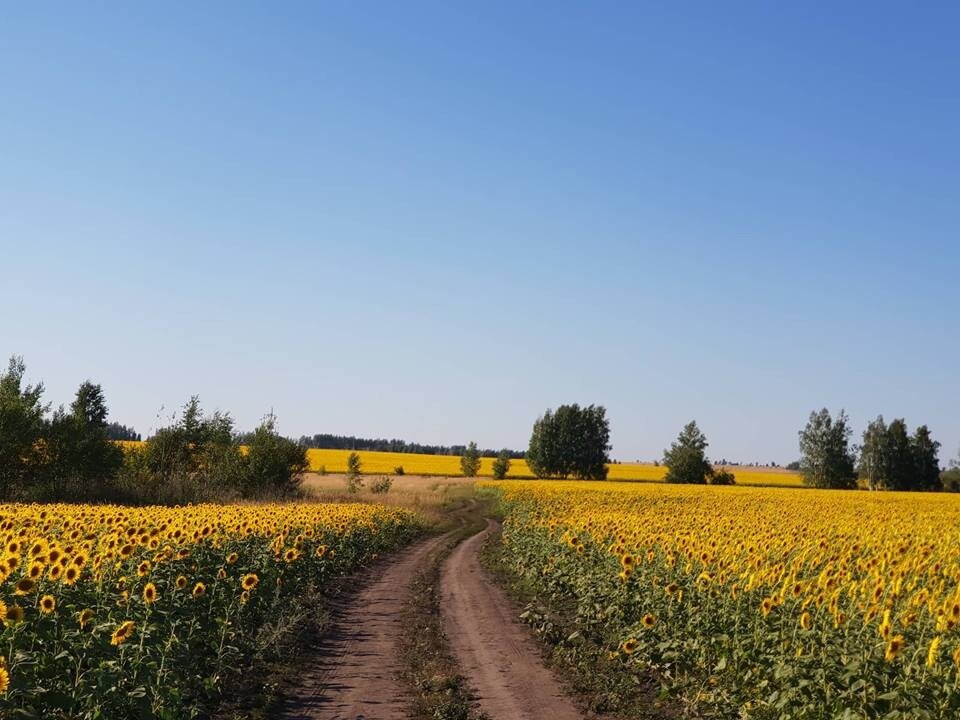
point(149, 593)
point(672, 589)
point(35, 571)
point(3, 611)
point(321, 551)
point(629, 646)
point(181, 582)
point(84, 617)
point(122, 633)
point(221, 574)
point(249, 581)
point(232, 558)
point(143, 568)
point(766, 606)
point(15, 615)
point(24, 586)
point(627, 560)
point(648, 621)
point(894, 648)
point(71, 575)
point(806, 621)
point(199, 589)
point(291, 555)
point(4, 680)
point(48, 603)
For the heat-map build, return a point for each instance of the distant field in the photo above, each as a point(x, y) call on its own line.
point(335, 461)
point(384, 463)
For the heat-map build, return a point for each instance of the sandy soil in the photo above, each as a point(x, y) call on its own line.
point(497, 655)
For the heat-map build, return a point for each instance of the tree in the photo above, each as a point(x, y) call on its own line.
point(826, 460)
point(470, 460)
point(926, 460)
point(874, 455)
point(686, 460)
point(354, 481)
point(571, 441)
point(82, 460)
point(501, 466)
point(22, 426)
point(891, 459)
point(274, 464)
point(721, 477)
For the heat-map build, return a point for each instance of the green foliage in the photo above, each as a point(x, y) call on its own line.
point(685, 460)
point(951, 479)
point(571, 441)
point(22, 425)
point(826, 460)
point(64, 457)
point(501, 465)
point(470, 461)
point(721, 477)
point(353, 479)
point(274, 464)
point(892, 460)
point(382, 485)
point(398, 470)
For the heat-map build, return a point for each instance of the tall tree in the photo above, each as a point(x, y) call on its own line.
point(686, 459)
point(571, 441)
point(22, 425)
point(874, 453)
point(926, 461)
point(826, 460)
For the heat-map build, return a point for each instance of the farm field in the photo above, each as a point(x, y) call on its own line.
point(755, 602)
point(115, 612)
point(335, 461)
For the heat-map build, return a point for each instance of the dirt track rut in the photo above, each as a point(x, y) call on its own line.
point(498, 657)
point(355, 673)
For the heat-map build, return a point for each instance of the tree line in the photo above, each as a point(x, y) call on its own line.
point(327, 441)
point(69, 454)
point(574, 442)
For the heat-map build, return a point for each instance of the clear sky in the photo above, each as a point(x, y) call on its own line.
point(434, 220)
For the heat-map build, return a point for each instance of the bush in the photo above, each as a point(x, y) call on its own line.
point(382, 485)
point(398, 470)
point(322, 470)
point(501, 466)
point(951, 479)
point(721, 477)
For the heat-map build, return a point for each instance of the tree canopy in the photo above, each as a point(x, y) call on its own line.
point(571, 441)
point(826, 460)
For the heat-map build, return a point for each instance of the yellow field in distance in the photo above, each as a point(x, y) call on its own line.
point(335, 461)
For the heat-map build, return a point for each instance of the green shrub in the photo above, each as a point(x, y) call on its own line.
point(381, 485)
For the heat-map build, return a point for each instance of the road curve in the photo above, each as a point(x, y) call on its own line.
point(497, 655)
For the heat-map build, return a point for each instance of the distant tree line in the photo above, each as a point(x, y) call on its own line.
point(327, 441)
point(69, 455)
point(890, 458)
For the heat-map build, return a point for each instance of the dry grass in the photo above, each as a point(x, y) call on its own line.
point(430, 496)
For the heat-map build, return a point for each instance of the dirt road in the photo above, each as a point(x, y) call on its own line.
point(497, 655)
point(354, 672)
point(354, 675)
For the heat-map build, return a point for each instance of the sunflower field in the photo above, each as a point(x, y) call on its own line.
point(755, 602)
point(113, 612)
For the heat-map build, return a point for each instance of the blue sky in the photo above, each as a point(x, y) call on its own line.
point(435, 220)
